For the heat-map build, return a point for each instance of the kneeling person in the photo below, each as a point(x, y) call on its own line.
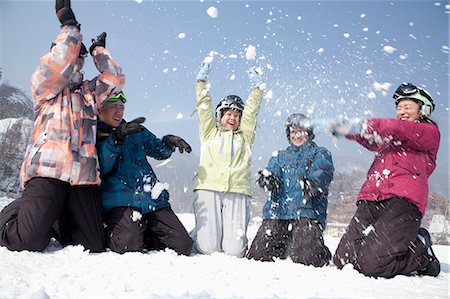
point(136, 205)
point(296, 211)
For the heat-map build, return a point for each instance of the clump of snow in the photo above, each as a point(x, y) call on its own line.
point(136, 216)
point(266, 173)
point(386, 172)
point(275, 153)
point(371, 95)
point(389, 49)
point(138, 1)
point(368, 230)
point(320, 50)
point(158, 189)
point(179, 115)
point(209, 59)
point(381, 86)
point(212, 12)
point(250, 52)
point(268, 95)
point(232, 77)
point(181, 35)
point(346, 35)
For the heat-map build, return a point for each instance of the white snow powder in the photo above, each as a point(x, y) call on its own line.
point(250, 52)
point(389, 49)
point(158, 188)
point(135, 216)
point(212, 12)
point(181, 35)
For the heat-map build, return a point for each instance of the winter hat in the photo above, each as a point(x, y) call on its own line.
point(298, 120)
point(419, 95)
point(229, 102)
point(118, 99)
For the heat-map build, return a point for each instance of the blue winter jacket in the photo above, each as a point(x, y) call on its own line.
point(290, 166)
point(127, 177)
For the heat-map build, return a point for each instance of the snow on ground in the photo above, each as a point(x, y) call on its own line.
point(73, 273)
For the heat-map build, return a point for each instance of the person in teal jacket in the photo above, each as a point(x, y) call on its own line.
point(296, 211)
point(223, 182)
point(136, 204)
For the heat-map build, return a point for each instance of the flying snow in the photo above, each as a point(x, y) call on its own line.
point(181, 35)
point(381, 86)
point(212, 12)
point(250, 52)
point(135, 216)
point(158, 189)
point(179, 115)
point(389, 49)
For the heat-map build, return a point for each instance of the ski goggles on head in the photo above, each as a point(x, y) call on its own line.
point(233, 102)
point(120, 96)
point(409, 90)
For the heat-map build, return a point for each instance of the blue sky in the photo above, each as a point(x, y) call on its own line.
point(322, 58)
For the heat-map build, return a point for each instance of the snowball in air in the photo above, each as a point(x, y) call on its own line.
point(250, 52)
point(389, 49)
point(212, 12)
point(181, 35)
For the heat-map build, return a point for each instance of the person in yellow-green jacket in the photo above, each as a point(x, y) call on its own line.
point(223, 183)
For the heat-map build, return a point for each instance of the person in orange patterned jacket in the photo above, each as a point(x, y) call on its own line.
point(60, 172)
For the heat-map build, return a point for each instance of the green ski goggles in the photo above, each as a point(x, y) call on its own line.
point(120, 96)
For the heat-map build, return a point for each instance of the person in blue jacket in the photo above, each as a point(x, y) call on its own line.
point(295, 213)
point(136, 206)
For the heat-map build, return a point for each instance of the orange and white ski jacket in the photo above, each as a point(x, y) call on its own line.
point(62, 142)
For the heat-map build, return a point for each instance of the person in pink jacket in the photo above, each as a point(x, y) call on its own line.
point(384, 237)
point(60, 172)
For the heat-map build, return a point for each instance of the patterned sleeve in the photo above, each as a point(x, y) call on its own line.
point(58, 67)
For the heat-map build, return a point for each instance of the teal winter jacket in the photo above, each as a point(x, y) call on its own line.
point(290, 167)
point(127, 178)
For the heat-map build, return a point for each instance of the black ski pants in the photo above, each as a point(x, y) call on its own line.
point(127, 230)
point(381, 239)
point(29, 222)
point(299, 239)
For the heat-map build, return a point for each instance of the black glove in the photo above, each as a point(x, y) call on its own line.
point(127, 128)
point(100, 40)
point(64, 13)
point(310, 191)
point(269, 182)
point(173, 142)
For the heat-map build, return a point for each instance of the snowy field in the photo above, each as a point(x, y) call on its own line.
point(73, 273)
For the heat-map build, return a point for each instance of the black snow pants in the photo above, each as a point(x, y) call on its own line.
point(299, 239)
point(127, 230)
point(381, 239)
point(29, 222)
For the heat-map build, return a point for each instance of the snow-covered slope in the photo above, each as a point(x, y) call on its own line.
point(73, 273)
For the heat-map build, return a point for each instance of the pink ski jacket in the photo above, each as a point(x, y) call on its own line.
point(405, 156)
point(62, 142)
